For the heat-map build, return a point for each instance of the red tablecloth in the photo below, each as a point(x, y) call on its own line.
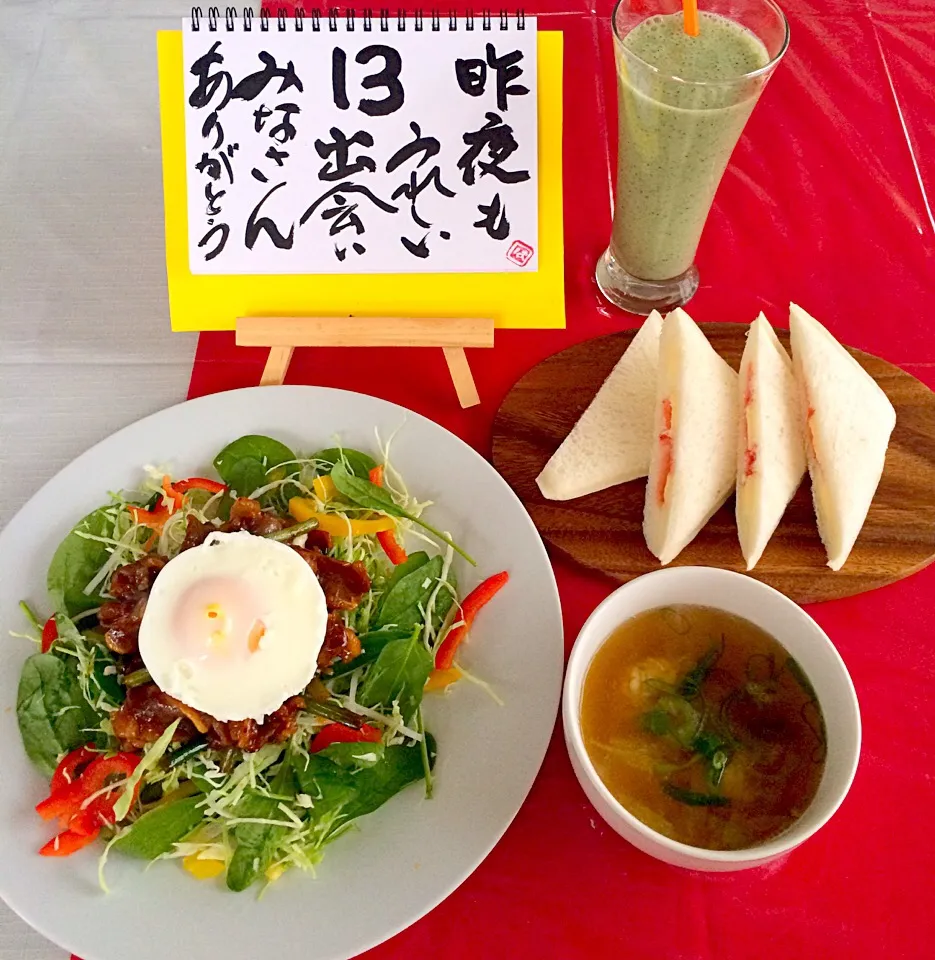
point(824, 203)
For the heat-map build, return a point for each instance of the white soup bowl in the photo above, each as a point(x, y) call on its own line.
point(802, 638)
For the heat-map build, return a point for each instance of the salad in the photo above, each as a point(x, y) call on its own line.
point(352, 630)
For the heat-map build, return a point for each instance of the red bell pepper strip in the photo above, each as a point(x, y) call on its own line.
point(63, 804)
point(392, 548)
point(173, 495)
point(387, 539)
point(82, 801)
point(87, 821)
point(154, 519)
point(69, 803)
point(473, 602)
point(49, 634)
point(338, 733)
point(199, 483)
point(71, 766)
point(67, 843)
point(98, 774)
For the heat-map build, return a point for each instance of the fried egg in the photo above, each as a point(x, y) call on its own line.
point(233, 627)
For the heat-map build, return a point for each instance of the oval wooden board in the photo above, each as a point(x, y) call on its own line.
point(603, 531)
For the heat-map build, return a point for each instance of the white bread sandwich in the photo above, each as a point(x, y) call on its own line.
point(848, 422)
point(610, 442)
point(770, 440)
point(693, 467)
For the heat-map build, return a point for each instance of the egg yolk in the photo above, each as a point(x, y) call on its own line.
point(219, 617)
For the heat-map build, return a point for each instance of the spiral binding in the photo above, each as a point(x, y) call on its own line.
point(331, 18)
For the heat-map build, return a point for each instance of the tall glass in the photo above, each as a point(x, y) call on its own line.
point(676, 133)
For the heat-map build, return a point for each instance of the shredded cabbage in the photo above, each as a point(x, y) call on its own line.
point(152, 756)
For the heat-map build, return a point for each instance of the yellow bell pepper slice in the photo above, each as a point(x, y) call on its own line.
point(442, 679)
point(202, 869)
point(303, 509)
point(324, 488)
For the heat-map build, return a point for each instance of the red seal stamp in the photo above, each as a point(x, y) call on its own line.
point(519, 253)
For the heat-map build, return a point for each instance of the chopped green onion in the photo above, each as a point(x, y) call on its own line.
point(331, 711)
point(186, 752)
point(692, 798)
point(692, 681)
point(137, 678)
point(290, 533)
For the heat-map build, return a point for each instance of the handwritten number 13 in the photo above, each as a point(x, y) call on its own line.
point(388, 77)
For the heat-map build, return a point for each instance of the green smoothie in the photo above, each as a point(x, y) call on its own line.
point(675, 138)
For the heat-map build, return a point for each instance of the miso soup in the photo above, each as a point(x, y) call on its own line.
point(703, 727)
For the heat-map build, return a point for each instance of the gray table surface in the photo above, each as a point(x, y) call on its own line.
point(85, 345)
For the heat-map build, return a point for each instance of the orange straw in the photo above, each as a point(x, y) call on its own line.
point(690, 17)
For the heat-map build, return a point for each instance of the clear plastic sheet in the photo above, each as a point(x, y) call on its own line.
point(824, 203)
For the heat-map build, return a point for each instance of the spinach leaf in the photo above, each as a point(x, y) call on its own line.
point(371, 645)
point(399, 674)
point(415, 560)
point(321, 778)
point(330, 789)
point(368, 495)
point(105, 681)
point(407, 595)
point(364, 493)
point(51, 710)
point(245, 475)
point(157, 831)
point(354, 756)
point(412, 563)
point(101, 658)
point(359, 464)
point(257, 842)
point(252, 447)
point(400, 767)
point(339, 796)
point(223, 509)
point(75, 563)
point(244, 463)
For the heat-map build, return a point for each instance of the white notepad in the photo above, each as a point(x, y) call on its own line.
point(361, 145)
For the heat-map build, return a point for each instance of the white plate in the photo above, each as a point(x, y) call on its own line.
point(405, 858)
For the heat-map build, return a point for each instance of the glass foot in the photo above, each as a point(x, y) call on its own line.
point(643, 296)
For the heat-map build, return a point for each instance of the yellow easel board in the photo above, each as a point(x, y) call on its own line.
point(518, 300)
